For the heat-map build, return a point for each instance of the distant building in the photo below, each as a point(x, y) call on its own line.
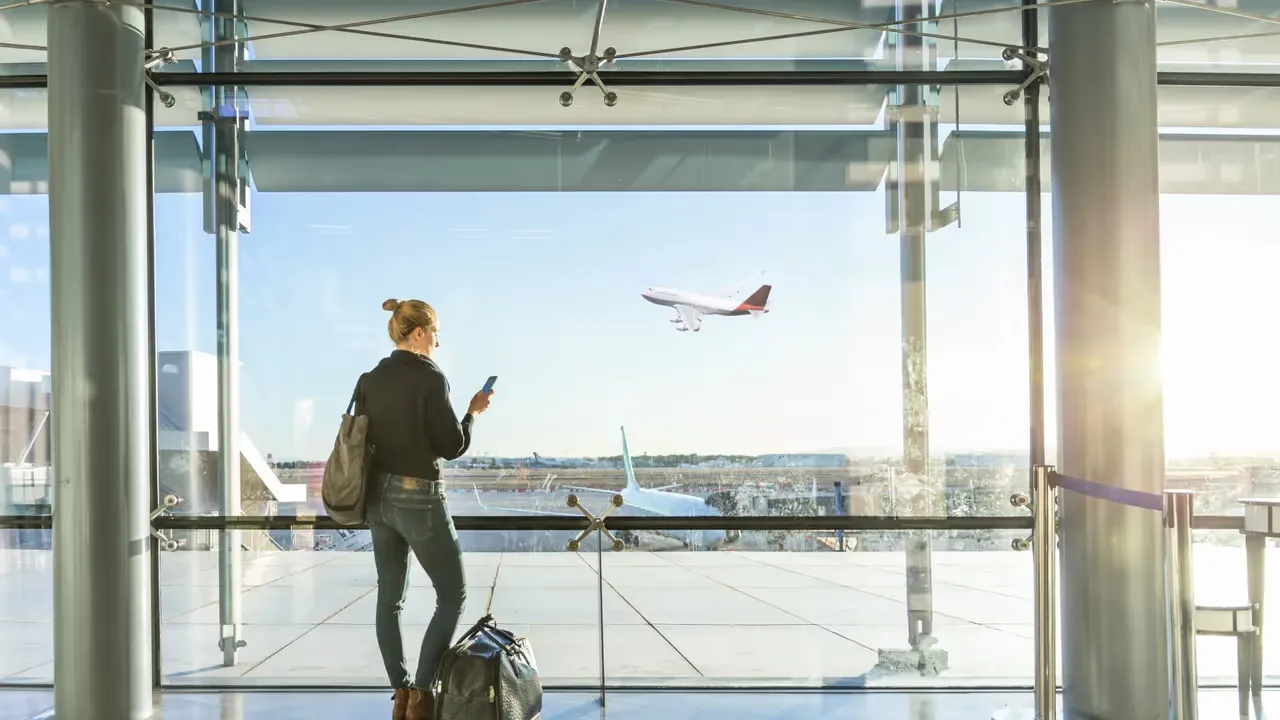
point(188, 445)
point(803, 460)
point(25, 445)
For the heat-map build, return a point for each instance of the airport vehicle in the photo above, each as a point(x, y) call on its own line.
point(660, 501)
point(692, 307)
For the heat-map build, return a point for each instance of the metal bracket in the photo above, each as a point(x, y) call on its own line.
point(945, 216)
point(595, 523)
point(167, 544)
point(588, 66)
point(222, 642)
point(1037, 71)
point(1021, 500)
point(152, 60)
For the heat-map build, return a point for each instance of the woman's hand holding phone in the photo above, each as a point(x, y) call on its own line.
point(480, 402)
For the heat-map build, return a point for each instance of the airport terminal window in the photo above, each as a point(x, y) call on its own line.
point(1216, 250)
point(648, 37)
point(734, 302)
point(26, 574)
point(1215, 247)
point(704, 318)
point(732, 296)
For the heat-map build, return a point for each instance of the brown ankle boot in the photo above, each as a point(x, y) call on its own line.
point(401, 707)
point(421, 706)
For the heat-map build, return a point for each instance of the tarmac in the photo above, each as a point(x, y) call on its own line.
point(671, 618)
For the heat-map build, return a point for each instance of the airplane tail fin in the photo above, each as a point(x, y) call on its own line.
point(626, 464)
point(759, 300)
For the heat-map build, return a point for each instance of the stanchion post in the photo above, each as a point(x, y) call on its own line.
point(1044, 540)
point(1183, 681)
point(595, 524)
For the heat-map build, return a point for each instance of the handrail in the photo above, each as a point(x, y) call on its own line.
point(523, 522)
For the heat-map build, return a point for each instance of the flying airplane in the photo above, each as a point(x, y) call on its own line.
point(659, 501)
point(691, 307)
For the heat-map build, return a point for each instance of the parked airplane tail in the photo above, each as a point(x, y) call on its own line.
point(759, 299)
point(626, 464)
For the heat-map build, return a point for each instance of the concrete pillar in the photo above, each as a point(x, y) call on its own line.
point(101, 441)
point(1107, 295)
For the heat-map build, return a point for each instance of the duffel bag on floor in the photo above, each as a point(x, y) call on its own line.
point(489, 674)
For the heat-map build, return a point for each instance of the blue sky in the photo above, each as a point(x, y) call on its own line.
point(544, 291)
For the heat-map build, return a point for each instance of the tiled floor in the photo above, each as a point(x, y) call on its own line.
point(199, 705)
point(671, 618)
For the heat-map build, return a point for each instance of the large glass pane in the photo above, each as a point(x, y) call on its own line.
point(1223, 37)
point(23, 32)
point(1217, 186)
point(309, 608)
point(479, 223)
point(26, 606)
point(460, 36)
point(1219, 37)
point(1217, 211)
point(26, 578)
point(769, 369)
point(1221, 581)
point(24, 305)
point(820, 618)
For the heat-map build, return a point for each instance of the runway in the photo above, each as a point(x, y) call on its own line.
point(519, 501)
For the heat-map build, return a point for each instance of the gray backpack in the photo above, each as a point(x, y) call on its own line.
point(346, 475)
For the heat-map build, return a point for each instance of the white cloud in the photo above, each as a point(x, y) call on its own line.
point(19, 275)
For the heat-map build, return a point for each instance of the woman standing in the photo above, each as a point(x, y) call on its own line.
point(413, 429)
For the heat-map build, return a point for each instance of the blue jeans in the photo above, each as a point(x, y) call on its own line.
point(405, 514)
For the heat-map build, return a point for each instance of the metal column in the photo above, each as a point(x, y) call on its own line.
point(1107, 302)
point(222, 150)
point(912, 204)
point(101, 442)
point(1044, 508)
point(1179, 508)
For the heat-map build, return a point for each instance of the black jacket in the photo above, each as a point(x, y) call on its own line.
point(412, 426)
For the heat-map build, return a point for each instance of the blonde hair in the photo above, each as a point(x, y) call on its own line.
point(407, 316)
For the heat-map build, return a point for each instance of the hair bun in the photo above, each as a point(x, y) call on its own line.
point(390, 305)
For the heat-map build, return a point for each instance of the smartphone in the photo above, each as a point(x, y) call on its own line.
point(488, 384)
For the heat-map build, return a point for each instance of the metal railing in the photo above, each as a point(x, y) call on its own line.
point(1042, 522)
point(524, 522)
point(1177, 507)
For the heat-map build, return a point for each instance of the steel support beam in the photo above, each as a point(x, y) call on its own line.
point(101, 441)
point(912, 208)
point(222, 136)
point(1107, 304)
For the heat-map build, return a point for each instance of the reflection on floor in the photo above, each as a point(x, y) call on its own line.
point(874, 705)
point(672, 618)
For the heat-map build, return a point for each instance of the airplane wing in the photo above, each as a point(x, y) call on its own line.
point(667, 487)
point(587, 489)
point(526, 511)
point(536, 511)
point(691, 318)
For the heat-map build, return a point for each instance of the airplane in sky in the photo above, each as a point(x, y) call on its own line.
point(691, 307)
point(640, 501)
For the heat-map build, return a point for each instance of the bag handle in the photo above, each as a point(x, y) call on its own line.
point(355, 393)
point(487, 625)
point(479, 626)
